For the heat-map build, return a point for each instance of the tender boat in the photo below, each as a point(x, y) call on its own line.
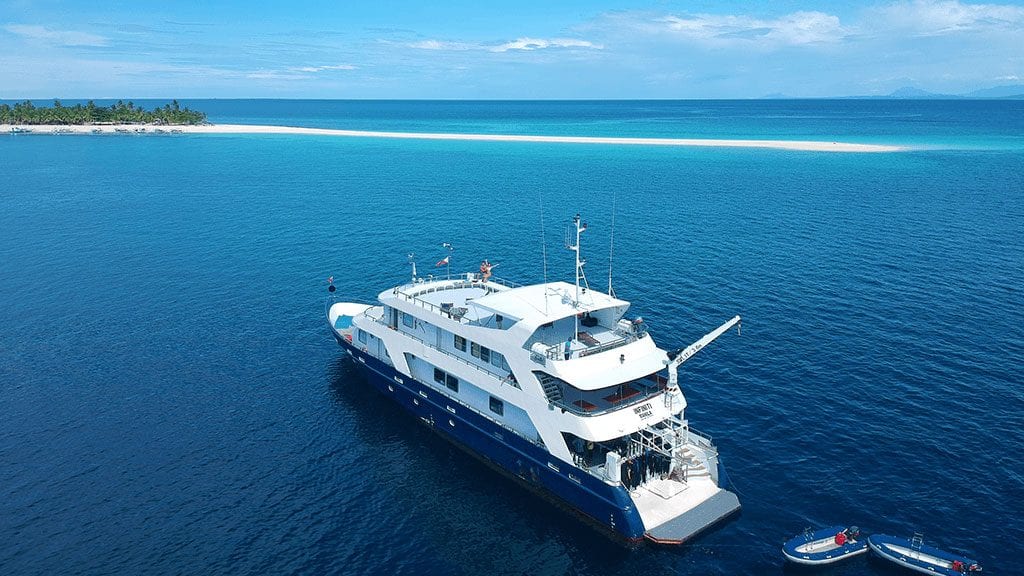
point(912, 553)
point(552, 385)
point(825, 545)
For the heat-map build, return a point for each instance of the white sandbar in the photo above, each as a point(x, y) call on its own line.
point(807, 145)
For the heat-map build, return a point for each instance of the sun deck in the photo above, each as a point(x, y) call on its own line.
point(453, 298)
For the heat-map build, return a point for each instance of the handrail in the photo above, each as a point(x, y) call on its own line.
point(610, 345)
point(631, 402)
point(554, 352)
point(431, 306)
point(468, 280)
point(506, 283)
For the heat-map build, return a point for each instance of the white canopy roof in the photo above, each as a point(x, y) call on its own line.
point(541, 303)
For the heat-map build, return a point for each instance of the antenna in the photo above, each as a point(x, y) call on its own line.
point(543, 249)
point(611, 245)
point(580, 228)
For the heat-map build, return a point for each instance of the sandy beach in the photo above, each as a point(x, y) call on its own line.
point(804, 145)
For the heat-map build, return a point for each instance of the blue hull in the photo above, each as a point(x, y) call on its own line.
point(920, 558)
point(607, 507)
point(790, 549)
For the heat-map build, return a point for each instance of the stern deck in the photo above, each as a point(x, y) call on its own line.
point(677, 519)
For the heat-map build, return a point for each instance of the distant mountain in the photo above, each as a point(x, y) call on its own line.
point(916, 94)
point(1013, 91)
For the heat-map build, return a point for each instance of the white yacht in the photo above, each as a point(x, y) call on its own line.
point(553, 385)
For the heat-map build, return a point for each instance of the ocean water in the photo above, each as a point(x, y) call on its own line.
point(172, 402)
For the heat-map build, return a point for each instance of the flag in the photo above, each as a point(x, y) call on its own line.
point(442, 261)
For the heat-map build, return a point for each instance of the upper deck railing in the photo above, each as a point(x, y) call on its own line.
point(625, 336)
point(413, 292)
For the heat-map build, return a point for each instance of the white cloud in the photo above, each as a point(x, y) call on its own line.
point(442, 45)
point(57, 37)
point(942, 17)
point(1009, 78)
point(276, 75)
point(519, 44)
point(312, 69)
point(794, 29)
point(541, 44)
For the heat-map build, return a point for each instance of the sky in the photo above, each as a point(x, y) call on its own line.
point(528, 49)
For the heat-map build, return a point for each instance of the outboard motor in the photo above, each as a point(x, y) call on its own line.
point(853, 532)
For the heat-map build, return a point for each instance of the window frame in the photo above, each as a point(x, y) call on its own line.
point(497, 406)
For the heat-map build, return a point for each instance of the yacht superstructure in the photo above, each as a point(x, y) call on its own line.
point(552, 384)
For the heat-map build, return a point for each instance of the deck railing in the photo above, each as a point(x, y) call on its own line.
point(557, 351)
point(469, 280)
point(579, 411)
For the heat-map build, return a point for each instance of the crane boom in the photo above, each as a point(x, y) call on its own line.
point(684, 354)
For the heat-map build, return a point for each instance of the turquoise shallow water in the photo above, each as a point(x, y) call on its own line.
point(173, 403)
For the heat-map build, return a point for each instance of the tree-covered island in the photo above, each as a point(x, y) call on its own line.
point(119, 113)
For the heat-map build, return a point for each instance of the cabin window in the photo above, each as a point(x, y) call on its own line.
point(451, 382)
point(439, 375)
point(497, 359)
point(362, 337)
point(497, 406)
point(481, 352)
point(407, 319)
point(460, 343)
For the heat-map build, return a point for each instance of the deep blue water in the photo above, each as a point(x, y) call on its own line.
point(171, 401)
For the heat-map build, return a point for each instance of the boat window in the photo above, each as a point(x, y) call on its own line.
point(407, 319)
point(497, 359)
point(362, 337)
point(438, 375)
point(588, 402)
point(497, 406)
point(460, 343)
point(451, 382)
point(485, 354)
point(474, 349)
